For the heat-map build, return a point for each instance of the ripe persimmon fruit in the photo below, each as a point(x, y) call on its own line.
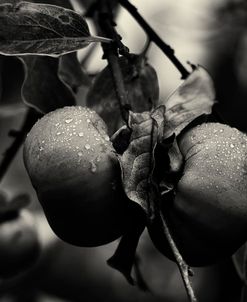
point(208, 215)
point(76, 174)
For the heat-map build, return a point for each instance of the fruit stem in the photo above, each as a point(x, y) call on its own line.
point(154, 37)
point(9, 154)
point(111, 51)
point(184, 269)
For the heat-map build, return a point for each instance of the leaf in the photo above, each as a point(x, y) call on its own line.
point(71, 73)
point(41, 29)
point(63, 3)
point(137, 162)
point(42, 88)
point(11, 78)
point(141, 84)
point(125, 254)
point(193, 98)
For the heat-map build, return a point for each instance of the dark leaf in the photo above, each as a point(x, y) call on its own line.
point(71, 73)
point(141, 84)
point(125, 254)
point(193, 98)
point(31, 28)
point(121, 139)
point(137, 162)
point(42, 88)
point(12, 76)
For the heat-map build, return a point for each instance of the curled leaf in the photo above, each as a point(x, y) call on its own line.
point(141, 84)
point(41, 29)
point(193, 98)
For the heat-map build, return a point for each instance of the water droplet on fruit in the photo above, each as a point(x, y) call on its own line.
point(93, 167)
point(88, 120)
point(81, 134)
point(58, 133)
point(106, 137)
point(232, 146)
point(87, 146)
point(69, 120)
point(80, 153)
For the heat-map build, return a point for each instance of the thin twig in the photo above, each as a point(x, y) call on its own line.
point(106, 25)
point(19, 136)
point(184, 269)
point(153, 36)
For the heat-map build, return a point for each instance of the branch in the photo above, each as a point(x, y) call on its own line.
point(153, 36)
point(19, 136)
point(184, 269)
point(106, 25)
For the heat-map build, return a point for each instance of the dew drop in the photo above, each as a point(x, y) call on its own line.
point(80, 153)
point(69, 120)
point(87, 146)
point(81, 134)
point(88, 120)
point(93, 167)
point(107, 138)
point(58, 133)
point(232, 146)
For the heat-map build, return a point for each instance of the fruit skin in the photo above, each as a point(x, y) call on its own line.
point(76, 174)
point(208, 216)
point(19, 243)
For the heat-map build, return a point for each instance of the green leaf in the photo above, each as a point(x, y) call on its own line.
point(142, 88)
point(192, 99)
point(41, 29)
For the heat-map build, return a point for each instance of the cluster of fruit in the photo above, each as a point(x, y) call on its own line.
point(75, 171)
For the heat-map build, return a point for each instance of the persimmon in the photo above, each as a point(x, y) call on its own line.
point(76, 174)
point(208, 215)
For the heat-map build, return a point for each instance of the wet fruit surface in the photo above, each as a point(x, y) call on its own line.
point(208, 216)
point(75, 171)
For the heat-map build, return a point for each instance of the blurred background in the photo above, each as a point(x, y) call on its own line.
point(206, 32)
